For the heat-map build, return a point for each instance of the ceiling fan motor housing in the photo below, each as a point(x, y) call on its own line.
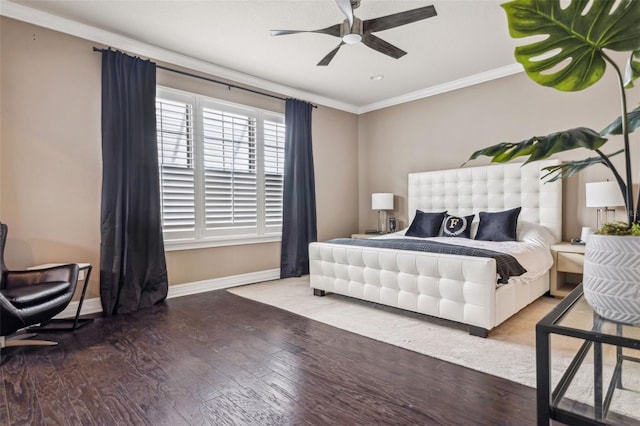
point(351, 35)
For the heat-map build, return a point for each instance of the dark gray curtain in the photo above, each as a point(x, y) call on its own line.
point(133, 272)
point(299, 195)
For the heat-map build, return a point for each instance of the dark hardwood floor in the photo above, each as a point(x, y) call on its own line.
point(218, 359)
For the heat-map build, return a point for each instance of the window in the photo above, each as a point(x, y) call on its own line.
point(221, 170)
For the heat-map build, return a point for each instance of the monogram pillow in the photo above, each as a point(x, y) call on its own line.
point(457, 226)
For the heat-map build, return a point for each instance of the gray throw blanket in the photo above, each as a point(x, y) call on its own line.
point(506, 265)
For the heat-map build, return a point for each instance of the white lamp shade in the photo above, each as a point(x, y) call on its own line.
point(603, 194)
point(382, 201)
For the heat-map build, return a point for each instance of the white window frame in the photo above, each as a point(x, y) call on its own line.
point(230, 236)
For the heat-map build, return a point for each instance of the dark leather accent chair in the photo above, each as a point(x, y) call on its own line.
point(31, 297)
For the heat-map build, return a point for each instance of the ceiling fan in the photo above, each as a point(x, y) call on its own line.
point(353, 30)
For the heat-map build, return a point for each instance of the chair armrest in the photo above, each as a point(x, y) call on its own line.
point(67, 273)
point(11, 319)
point(7, 308)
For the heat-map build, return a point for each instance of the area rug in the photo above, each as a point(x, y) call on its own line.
point(508, 352)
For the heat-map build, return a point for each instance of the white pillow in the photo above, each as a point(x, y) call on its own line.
point(534, 233)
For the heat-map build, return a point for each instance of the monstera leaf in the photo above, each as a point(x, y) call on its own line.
point(615, 128)
point(633, 69)
point(569, 52)
point(567, 169)
point(570, 57)
point(541, 147)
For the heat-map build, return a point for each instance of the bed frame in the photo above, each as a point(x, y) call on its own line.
point(452, 287)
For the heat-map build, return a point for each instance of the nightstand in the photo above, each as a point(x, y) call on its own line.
point(568, 261)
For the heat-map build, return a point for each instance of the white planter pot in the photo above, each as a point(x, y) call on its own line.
point(611, 279)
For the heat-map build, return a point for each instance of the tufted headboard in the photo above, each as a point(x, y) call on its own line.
point(490, 188)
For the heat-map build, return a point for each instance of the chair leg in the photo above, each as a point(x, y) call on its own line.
point(21, 336)
point(11, 343)
point(22, 340)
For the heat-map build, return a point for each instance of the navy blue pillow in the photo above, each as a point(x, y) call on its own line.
point(498, 226)
point(457, 226)
point(425, 225)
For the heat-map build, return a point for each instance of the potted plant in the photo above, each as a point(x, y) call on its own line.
point(572, 57)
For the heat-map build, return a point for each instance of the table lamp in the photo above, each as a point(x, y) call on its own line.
point(603, 195)
point(382, 201)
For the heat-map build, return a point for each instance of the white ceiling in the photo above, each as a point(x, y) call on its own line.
point(466, 42)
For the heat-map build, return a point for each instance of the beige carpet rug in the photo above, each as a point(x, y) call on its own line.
point(508, 352)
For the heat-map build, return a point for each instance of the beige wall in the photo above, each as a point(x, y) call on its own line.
point(50, 151)
point(441, 132)
point(51, 164)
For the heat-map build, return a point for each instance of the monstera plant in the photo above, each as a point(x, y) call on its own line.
point(571, 53)
point(572, 56)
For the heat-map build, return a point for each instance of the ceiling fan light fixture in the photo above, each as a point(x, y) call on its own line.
point(352, 38)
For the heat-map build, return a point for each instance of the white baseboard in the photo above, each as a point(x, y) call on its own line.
point(92, 306)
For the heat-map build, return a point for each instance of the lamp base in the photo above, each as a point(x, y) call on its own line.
point(382, 221)
point(604, 215)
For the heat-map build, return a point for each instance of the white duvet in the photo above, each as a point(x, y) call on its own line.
point(532, 248)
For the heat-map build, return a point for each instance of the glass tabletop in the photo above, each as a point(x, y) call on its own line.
point(575, 317)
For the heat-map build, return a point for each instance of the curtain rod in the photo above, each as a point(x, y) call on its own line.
point(211, 80)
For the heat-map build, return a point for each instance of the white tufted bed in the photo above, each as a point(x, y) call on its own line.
point(452, 287)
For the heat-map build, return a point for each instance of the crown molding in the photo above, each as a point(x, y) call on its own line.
point(461, 83)
point(77, 29)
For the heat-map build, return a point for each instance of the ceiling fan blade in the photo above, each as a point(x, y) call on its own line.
point(333, 30)
point(402, 18)
point(325, 61)
point(382, 46)
point(345, 7)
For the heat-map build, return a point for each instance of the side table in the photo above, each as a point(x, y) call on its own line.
point(65, 324)
point(366, 236)
point(567, 259)
point(598, 364)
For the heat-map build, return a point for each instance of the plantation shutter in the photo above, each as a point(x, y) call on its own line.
point(221, 170)
point(274, 129)
point(230, 171)
point(174, 119)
